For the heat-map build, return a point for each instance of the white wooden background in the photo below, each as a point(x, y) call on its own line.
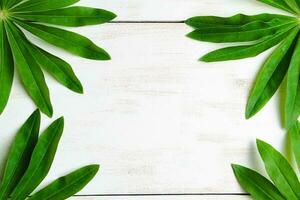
point(159, 122)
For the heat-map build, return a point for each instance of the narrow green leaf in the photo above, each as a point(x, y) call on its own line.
point(7, 4)
point(41, 160)
point(67, 40)
point(280, 171)
point(245, 51)
point(67, 186)
point(271, 75)
point(234, 21)
point(29, 70)
point(40, 5)
point(6, 68)
point(72, 16)
point(258, 186)
point(293, 5)
point(248, 32)
point(57, 67)
point(281, 4)
point(295, 138)
point(292, 107)
point(20, 154)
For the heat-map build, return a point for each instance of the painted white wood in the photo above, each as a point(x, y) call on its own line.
point(156, 119)
point(174, 10)
point(199, 197)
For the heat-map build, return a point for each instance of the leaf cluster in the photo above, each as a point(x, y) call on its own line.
point(29, 161)
point(255, 34)
point(284, 184)
point(30, 60)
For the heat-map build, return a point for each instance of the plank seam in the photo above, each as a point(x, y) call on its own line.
point(166, 194)
point(146, 22)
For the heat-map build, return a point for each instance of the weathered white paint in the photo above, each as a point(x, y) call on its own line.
point(156, 119)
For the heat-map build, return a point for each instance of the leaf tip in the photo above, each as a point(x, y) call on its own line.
point(233, 166)
point(36, 114)
point(48, 112)
point(95, 167)
point(248, 115)
point(78, 89)
point(250, 109)
point(113, 16)
point(205, 58)
point(61, 120)
point(189, 21)
point(260, 143)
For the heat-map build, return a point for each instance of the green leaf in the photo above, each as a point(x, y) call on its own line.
point(67, 186)
point(19, 154)
point(69, 41)
point(271, 75)
point(295, 139)
point(258, 186)
point(41, 160)
point(6, 68)
point(249, 32)
point(281, 4)
point(292, 107)
point(72, 16)
point(235, 21)
point(29, 70)
point(245, 51)
point(280, 171)
point(293, 5)
point(57, 67)
point(39, 5)
point(8, 4)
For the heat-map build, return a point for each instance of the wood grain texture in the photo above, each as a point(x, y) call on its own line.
point(156, 119)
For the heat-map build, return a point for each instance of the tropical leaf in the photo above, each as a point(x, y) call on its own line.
point(41, 5)
point(57, 67)
point(271, 75)
point(292, 107)
point(245, 51)
point(29, 161)
point(258, 186)
point(285, 184)
point(248, 32)
point(20, 153)
point(29, 70)
point(72, 16)
point(236, 21)
point(17, 50)
point(295, 138)
point(280, 171)
point(282, 4)
point(260, 32)
point(6, 68)
point(41, 160)
point(66, 186)
point(67, 40)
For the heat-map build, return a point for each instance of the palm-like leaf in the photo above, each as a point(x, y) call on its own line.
point(29, 161)
point(284, 183)
point(17, 50)
point(261, 32)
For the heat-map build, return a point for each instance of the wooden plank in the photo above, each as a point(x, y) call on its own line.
point(156, 119)
point(196, 197)
point(177, 10)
